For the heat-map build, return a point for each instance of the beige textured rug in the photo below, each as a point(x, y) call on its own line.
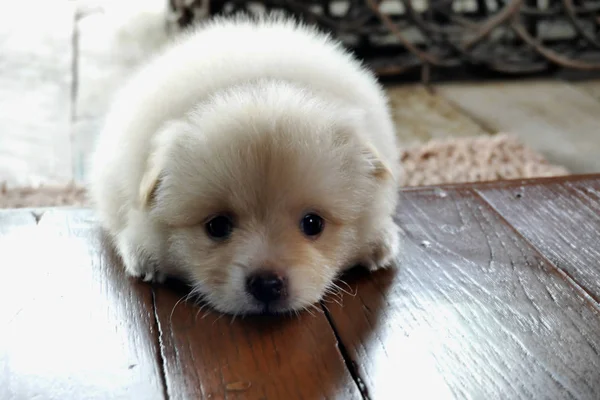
point(456, 160)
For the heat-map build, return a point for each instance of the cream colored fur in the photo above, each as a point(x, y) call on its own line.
point(265, 120)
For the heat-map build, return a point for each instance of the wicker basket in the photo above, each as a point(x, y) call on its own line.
point(401, 36)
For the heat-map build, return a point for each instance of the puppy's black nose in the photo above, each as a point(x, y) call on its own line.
point(266, 286)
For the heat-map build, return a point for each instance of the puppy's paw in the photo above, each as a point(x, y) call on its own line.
point(154, 276)
point(385, 249)
point(138, 266)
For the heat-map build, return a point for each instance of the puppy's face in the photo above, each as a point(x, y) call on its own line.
point(262, 211)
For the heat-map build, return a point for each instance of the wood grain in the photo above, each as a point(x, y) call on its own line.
point(472, 312)
point(207, 355)
point(552, 117)
point(478, 308)
point(561, 219)
point(73, 327)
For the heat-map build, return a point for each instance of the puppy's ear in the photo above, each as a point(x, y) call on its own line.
point(160, 149)
point(149, 183)
point(377, 167)
point(353, 126)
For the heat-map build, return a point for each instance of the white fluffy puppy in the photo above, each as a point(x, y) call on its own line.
point(255, 158)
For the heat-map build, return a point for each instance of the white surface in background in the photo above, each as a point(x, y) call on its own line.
point(114, 38)
point(53, 98)
point(35, 90)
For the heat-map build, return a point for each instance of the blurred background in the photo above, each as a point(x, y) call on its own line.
point(458, 73)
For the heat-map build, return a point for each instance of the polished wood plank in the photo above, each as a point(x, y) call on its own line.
point(552, 117)
point(207, 355)
point(472, 312)
point(72, 325)
point(561, 219)
point(477, 309)
point(11, 220)
point(507, 183)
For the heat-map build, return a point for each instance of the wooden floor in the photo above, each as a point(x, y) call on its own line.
point(60, 65)
point(497, 296)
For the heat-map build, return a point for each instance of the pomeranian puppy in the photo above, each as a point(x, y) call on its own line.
point(254, 157)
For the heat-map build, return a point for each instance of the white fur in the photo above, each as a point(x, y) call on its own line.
point(200, 93)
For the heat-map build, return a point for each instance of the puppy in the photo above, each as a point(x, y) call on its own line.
point(255, 158)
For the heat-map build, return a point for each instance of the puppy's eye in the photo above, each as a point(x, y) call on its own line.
point(219, 227)
point(312, 225)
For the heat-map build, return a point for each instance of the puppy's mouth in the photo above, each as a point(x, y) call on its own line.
point(274, 308)
point(262, 293)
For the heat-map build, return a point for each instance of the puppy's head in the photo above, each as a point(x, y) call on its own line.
point(263, 192)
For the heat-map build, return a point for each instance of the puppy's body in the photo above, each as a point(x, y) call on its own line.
point(262, 122)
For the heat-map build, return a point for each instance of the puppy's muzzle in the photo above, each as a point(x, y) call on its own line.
point(266, 286)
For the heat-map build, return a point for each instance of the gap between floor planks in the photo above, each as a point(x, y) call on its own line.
point(349, 363)
point(552, 205)
point(579, 289)
point(582, 290)
point(528, 249)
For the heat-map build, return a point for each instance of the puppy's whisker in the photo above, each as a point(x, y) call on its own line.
point(206, 314)
point(343, 290)
point(196, 289)
point(188, 159)
point(333, 295)
point(183, 298)
point(331, 289)
point(202, 307)
point(333, 292)
point(314, 307)
point(308, 310)
point(325, 307)
point(331, 300)
point(348, 286)
point(218, 318)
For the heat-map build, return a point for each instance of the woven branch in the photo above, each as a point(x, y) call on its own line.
point(397, 36)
